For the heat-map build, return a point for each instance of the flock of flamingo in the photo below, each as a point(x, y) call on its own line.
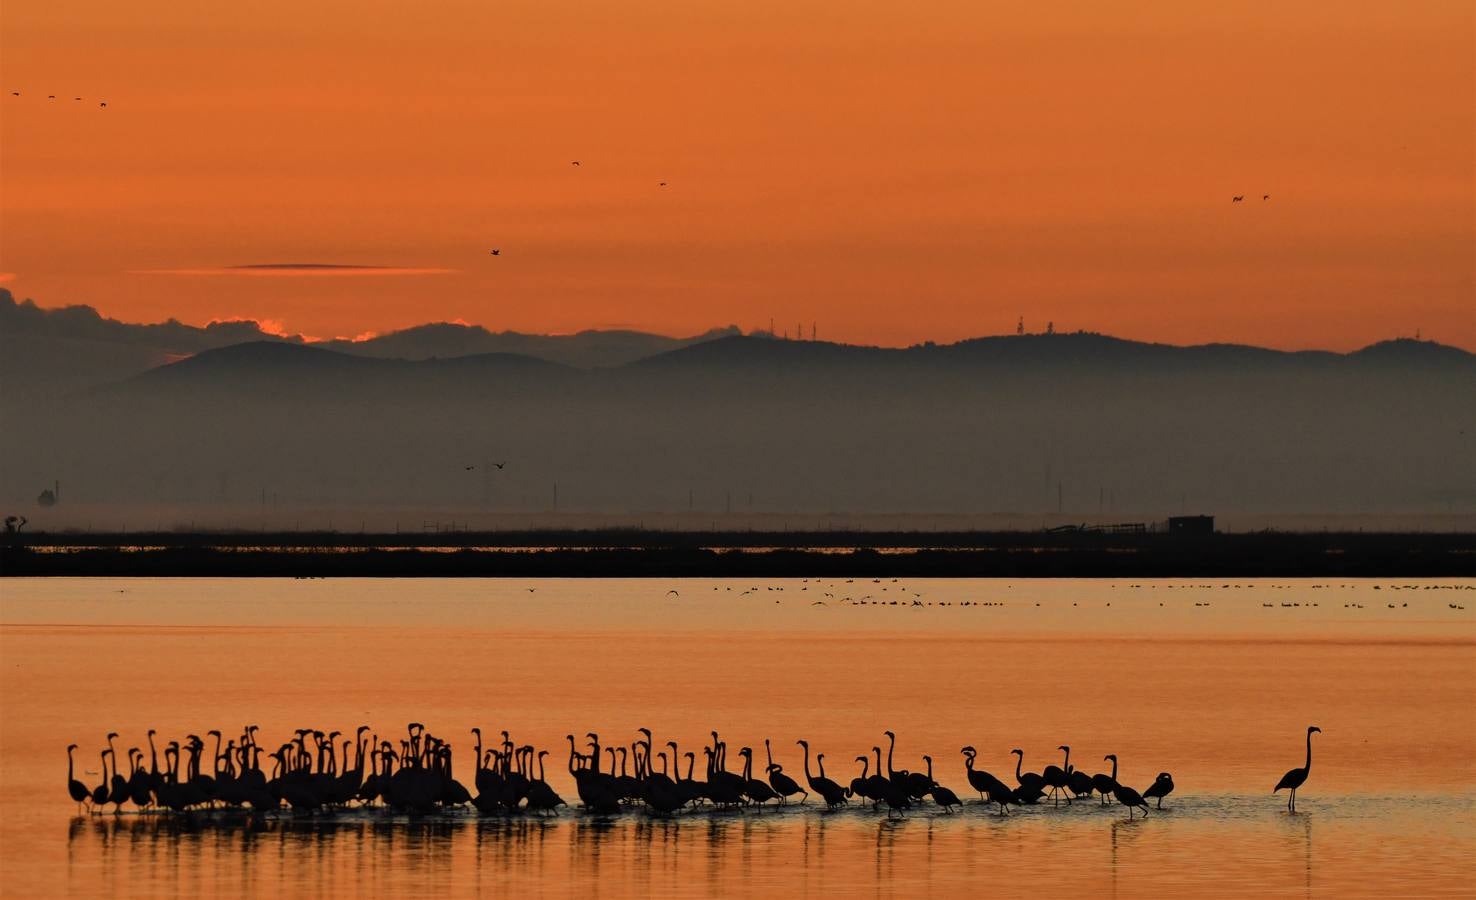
point(313, 772)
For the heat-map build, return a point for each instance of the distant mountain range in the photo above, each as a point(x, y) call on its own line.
point(1068, 423)
point(57, 351)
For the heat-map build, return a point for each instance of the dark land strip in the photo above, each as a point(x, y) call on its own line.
point(629, 553)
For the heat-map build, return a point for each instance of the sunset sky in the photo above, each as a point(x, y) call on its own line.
point(894, 172)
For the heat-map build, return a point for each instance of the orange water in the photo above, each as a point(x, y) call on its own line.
point(1218, 694)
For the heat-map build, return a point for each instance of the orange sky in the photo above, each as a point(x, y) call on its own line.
point(896, 172)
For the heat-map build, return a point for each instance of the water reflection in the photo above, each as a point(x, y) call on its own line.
point(1211, 845)
point(1393, 689)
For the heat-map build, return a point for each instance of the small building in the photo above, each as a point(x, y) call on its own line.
point(1191, 525)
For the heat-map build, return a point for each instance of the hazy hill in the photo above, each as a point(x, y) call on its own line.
point(48, 354)
point(1082, 422)
point(585, 349)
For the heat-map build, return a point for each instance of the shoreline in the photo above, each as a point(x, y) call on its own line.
point(630, 553)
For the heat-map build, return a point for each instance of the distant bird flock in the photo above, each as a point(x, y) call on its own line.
point(101, 104)
point(317, 772)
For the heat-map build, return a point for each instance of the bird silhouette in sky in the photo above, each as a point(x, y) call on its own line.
point(575, 163)
point(103, 104)
point(469, 468)
point(1265, 196)
point(15, 93)
point(1236, 199)
point(50, 96)
point(496, 251)
point(499, 465)
point(662, 184)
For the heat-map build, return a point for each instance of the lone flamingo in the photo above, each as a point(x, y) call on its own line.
point(1296, 777)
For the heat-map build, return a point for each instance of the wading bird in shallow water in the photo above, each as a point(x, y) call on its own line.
point(1162, 786)
point(1296, 777)
point(314, 773)
point(940, 794)
point(833, 794)
point(782, 784)
point(1124, 794)
point(75, 788)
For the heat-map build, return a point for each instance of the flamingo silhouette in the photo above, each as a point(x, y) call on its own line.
point(1295, 778)
point(1054, 777)
point(1124, 794)
point(940, 794)
point(1032, 783)
point(990, 789)
point(75, 788)
point(782, 784)
point(833, 794)
point(1162, 786)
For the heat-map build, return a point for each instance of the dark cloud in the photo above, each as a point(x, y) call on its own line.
point(299, 269)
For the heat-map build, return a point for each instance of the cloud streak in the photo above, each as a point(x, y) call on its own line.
point(300, 270)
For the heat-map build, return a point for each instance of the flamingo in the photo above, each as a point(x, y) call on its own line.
point(1162, 786)
point(833, 794)
point(1126, 795)
point(941, 795)
point(75, 788)
point(782, 784)
point(1295, 778)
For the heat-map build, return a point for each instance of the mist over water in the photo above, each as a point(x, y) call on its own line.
point(1212, 685)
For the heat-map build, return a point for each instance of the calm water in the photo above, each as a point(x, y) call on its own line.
point(1197, 678)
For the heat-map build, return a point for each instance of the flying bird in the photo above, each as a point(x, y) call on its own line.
point(15, 93)
point(50, 96)
point(499, 465)
point(103, 104)
point(574, 163)
point(1236, 199)
point(1265, 196)
point(469, 468)
point(662, 184)
point(496, 251)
